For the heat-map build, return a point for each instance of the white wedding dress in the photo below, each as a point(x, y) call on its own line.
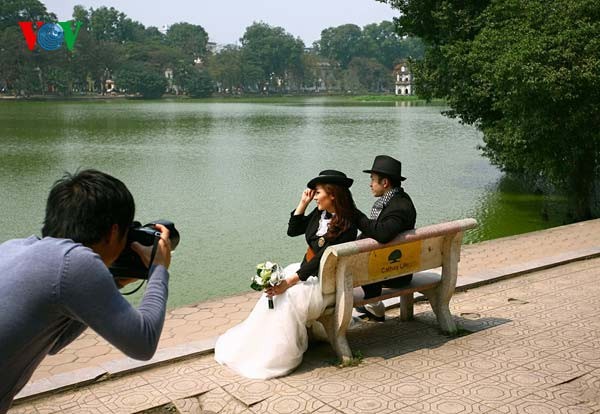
point(270, 342)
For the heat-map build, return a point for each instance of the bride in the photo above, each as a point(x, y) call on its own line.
point(271, 342)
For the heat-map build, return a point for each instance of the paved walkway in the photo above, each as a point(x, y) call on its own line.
point(192, 329)
point(533, 347)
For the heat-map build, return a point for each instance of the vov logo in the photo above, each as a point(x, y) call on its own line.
point(50, 36)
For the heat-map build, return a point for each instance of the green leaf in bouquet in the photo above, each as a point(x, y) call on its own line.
point(256, 286)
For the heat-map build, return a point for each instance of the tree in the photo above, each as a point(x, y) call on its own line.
point(527, 74)
point(21, 68)
point(343, 43)
point(199, 84)
point(388, 46)
point(189, 38)
point(109, 24)
point(371, 75)
point(135, 77)
point(225, 67)
point(270, 53)
point(13, 11)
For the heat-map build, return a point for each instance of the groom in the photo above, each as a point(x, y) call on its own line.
point(392, 213)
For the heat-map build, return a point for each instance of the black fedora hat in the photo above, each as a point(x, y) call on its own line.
point(330, 177)
point(387, 165)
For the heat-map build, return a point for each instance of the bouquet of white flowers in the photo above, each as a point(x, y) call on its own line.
point(267, 274)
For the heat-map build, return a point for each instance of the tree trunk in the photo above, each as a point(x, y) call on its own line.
point(581, 183)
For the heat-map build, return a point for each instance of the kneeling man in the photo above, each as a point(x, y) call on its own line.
point(53, 288)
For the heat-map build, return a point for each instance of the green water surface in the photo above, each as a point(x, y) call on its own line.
point(229, 174)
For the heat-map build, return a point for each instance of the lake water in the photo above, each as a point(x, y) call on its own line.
point(229, 174)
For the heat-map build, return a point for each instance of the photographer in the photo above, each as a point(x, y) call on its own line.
point(52, 289)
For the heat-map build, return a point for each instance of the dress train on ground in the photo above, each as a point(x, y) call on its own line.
point(270, 342)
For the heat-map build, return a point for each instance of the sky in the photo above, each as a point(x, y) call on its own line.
point(226, 20)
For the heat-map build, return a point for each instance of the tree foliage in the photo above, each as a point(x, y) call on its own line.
point(378, 41)
point(527, 74)
point(225, 67)
point(189, 38)
point(269, 59)
point(270, 53)
point(135, 77)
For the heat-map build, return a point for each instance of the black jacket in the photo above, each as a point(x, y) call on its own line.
point(398, 216)
point(308, 225)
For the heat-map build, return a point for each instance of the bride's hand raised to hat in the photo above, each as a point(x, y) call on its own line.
point(305, 199)
point(307, 196)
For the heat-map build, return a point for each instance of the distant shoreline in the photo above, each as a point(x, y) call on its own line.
point(289, 99)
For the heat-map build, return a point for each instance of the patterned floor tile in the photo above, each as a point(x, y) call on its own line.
point(67, 401)
point(367, 402)
point(326, 409)
point(219, 401)
point(185, 385)
point(410, 390)
point(451, 403)
point(371, 375)
point(491, 393)
point(216, 401)
point(538, 404)
point(134, 400)
point(411, 363)
point(515, 354)
point(331, 389)
point(223, 375)
point(201, 363)
point(546, 342)
point(159, 374)
point(23, 409)
point(586, 388)
point(188, 405)
point(288, 401)
point(526, 380)
point(569, 399)
point(583, 354)
point(114, 386)
point(449, 377)
point(251, 391)
point(483, 365)
point(448, 352)
point(306, 374)
point(562, 368)
point(575, 334)
point(480, 341)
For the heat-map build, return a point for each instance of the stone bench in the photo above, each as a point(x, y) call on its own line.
point(347, 266)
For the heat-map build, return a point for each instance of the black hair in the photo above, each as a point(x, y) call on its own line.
point(393, 182)
point(84, 206)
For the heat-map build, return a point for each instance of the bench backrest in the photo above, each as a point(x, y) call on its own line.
point(369, 261)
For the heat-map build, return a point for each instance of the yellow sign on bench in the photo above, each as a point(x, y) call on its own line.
point(403, 259)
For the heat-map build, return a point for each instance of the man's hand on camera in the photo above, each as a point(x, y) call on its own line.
point(163, 252)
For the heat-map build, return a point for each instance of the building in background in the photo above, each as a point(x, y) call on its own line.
point(404, 78)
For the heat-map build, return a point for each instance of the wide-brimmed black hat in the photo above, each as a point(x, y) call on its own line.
point(387, 165)
point(330, 177)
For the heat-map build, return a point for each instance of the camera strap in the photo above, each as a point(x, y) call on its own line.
point(152, 256)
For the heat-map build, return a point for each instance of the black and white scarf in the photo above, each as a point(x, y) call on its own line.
point(383, 201)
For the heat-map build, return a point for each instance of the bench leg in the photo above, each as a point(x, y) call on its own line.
point(441, 308)
point(338, 341)
point(406, 307)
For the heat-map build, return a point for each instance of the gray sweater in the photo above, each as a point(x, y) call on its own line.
point(51, 290)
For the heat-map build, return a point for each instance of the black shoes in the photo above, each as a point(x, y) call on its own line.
point(373, 311)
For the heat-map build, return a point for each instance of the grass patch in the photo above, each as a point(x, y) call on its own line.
point(357, 358)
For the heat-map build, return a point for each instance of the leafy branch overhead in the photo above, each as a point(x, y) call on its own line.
point(527, 74)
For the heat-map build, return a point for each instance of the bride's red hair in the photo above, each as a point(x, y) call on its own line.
point(344, 207)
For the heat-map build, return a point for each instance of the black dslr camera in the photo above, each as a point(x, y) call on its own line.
point(129, 264)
